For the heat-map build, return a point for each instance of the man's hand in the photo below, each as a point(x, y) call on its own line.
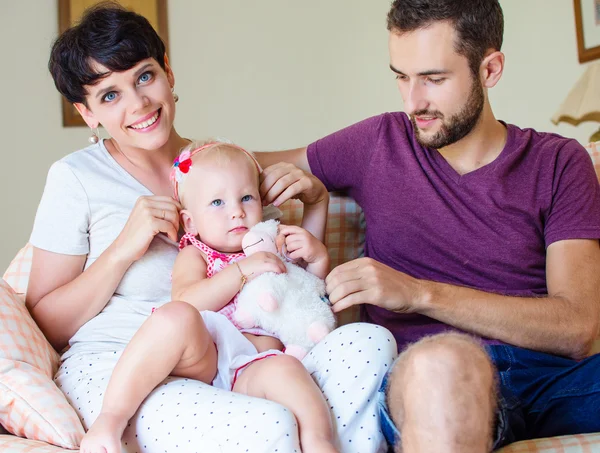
point(366, 281)
point(283, 181)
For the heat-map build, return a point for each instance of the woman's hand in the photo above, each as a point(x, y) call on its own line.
point(150, 216)
point(259, 263)
point(283, 181)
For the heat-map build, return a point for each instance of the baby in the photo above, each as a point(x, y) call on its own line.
point(218, 187)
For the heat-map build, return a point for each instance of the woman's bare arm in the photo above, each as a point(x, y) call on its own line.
point(61, 297)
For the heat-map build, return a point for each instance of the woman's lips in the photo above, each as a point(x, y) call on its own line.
point(147, 123)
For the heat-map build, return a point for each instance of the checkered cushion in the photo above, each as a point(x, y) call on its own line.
point(31, 405)
point(345, 234)
point(593, 150)
point(20, 338)
point(12, 444)
point(17, 274)
point(580, 443)
point(344, 237)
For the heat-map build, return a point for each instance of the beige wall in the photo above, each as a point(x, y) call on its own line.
point(268, 73)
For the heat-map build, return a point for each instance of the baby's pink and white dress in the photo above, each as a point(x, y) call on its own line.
point(235, 351)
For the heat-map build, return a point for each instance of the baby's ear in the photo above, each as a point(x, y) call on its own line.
point(188, 224)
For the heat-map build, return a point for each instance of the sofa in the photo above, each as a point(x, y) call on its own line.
point(32, 407)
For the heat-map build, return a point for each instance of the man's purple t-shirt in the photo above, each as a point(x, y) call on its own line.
point(487, 229)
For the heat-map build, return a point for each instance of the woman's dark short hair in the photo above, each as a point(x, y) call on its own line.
point(479, 23)
point(108, 34)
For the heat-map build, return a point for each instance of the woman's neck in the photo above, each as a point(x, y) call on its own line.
point(150, 167)
point(149, 160)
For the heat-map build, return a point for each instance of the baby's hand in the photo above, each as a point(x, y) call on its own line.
point(259, 263)
point(301, 245)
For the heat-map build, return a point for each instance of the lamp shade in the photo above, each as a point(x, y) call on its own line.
point(583, 101)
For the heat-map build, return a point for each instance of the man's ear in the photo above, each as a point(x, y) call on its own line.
point(87, 115)
point(491, 68)
point(188, 224)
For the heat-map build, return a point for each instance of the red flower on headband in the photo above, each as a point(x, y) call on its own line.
point(184, 166)
point(183, 162)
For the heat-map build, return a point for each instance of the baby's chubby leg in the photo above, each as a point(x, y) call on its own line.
point(172, 341)
point(284, 380)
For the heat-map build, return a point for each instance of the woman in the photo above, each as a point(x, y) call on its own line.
point(104, 245)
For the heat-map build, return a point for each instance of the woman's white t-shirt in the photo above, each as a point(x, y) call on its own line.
point(87, 200)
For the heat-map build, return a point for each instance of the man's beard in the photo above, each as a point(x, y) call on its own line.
point(458, 126)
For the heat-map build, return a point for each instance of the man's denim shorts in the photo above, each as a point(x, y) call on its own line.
point(540, 395)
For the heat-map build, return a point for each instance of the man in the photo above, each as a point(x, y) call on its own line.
point(473, 225)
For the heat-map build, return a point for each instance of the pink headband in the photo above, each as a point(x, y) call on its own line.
point(183, 163)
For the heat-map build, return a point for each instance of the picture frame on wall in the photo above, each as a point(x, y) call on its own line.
point(70, 11)
point(587, 27)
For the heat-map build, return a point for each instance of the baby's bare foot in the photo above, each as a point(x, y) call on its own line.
point(105, 435)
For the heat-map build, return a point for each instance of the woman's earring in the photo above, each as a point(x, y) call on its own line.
point(175, 96)
point(94, 137)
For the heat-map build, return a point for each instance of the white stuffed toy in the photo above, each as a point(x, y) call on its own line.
point(291, 306)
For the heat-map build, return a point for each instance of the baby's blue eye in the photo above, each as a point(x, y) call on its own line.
point(216, 202)
point(246, 198)
point(145, 77)
point(110, 96)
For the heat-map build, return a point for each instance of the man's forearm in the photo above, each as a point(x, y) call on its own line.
point(314, 218)
point(550, 324)
point(296, 157)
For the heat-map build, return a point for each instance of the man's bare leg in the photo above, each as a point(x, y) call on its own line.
point(442, 396)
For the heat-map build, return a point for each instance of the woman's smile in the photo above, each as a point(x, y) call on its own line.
point(147, 123)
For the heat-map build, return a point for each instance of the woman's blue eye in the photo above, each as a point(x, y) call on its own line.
point(246, 198)
point(145, 77)
point(110, 96)
point(216, 202)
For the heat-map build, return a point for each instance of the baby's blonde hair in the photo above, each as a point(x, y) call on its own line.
point(216, 150)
